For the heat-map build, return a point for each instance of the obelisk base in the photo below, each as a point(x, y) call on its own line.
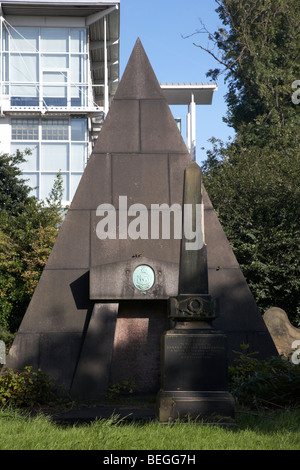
point(201, 407)
point(194, 377)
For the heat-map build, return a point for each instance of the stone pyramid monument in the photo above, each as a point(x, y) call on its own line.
point(88, 324)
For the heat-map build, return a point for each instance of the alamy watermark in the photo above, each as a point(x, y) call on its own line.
point(165, 222)
point(296, 94)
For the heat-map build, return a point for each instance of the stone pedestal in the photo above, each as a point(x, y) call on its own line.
point(194, 370)
point(194, 380)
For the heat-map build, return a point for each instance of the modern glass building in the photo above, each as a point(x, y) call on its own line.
point(59, 72)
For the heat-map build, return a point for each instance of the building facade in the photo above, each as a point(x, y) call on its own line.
point(59, 72)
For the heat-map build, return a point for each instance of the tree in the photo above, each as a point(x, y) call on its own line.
point(253, 181)
point(257, 199)
point(28, 229)
point(259, 55)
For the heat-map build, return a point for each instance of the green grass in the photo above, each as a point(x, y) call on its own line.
point(273, 431)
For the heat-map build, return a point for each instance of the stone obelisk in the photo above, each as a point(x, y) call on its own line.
point(194, 368)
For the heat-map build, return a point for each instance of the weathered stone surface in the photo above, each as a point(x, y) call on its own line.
point(136, 355)
point(70, 252)
point(91, 378)
point(121, 122)
point(284, 334)
point(114, 281)
point(140, 177)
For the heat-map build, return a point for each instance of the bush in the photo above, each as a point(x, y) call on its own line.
point(26, 388)
point(269, 383)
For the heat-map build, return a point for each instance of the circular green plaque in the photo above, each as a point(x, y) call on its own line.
point(143, 277)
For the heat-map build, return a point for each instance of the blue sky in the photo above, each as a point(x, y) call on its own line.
point(160, 25)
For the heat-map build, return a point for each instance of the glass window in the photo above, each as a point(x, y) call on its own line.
point(24, 95)
point(78, 129)
point(54, 61)
point(78, 40)
point(55, 129)
point(25, 129)
point(55, 157)
point(78, 96)
point(5, 67)
point(24, 90)
point(55, 77)
point(55, 95)
point(5, 39)
point(78, 157)
point(24, 68)
point(78, 68)
point(54, 39)
point(24, 39)
point(32, 160)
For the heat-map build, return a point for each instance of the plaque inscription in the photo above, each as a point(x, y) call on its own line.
point(143, 277)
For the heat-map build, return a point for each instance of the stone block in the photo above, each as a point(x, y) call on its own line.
point(159, 132)
point(115, 280)
point(136, 355)
point(140, 177)
point(110, 250)
point(55, 306)
point(121, 123)
point(72, 247)
point(237, 308)
point(91, 378)
point(95, 183)
point(177, 165)
point(223, 257)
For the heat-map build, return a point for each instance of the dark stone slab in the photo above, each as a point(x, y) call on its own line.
point(159, 132)
point(95, 183)
point(114, 281)
point(24, 351)
point(69, 252)
point(223, 257)
point(54, 307)
point(141, 178)
point(54, 348)
point(177, 165)
point(238, 309)
point(194, 360)
point(110, 250)
point(194, 377)
point(212, 407)
point(45, 351)
point(91, 377)
point(136, 355)
point(121, 122)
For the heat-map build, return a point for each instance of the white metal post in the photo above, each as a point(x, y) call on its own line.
point(106, 98)
point(188, 131)
point(193, 127)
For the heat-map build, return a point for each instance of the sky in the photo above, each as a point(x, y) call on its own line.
point(161, 26)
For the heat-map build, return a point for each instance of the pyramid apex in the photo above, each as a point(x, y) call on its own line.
point(139, 80)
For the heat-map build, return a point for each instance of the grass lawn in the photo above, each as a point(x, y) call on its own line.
point(264, 431)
